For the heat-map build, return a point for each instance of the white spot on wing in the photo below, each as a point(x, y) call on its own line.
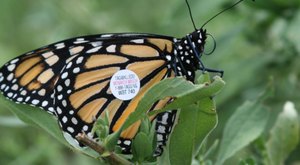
point(127, 142)
point(14, 61)
point(44, 103)
point(74, 120)
point(10, 77)
point(19, 99)
point(51, 109)
point(85, 128)
point(70, 129)
point(64, 103)
point(76, 70)
point(111, 48)
point(168, 57)
point(59, 88)
point(59, 97)
point(64, 75)
point(69, 65)
point(35, 102)
point(67, 82)
point(138, 41)
point(11, 67)
point(79, 60)
point(58, 110)
point(1, 77)
point(15, 87)
point(93, 50)
point(165, 118)
point(23, 92)
point(10, 94)
point(106, 35)
point(71, 58)
point(59, 45)
point(97, 43)
point(27, 99)
point(80, 41)
point(161, 129)
point(64, 119)
point(159, 137)
point(6, 89)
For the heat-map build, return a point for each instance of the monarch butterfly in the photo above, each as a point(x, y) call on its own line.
point(71, 79)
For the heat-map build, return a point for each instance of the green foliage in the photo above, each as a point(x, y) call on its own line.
point(197, 108)
point(284, 135)
point(34, 116)
point(254, 41)
point(243, 127)
point(144, 143)
point(248, 123)
point(200, 119)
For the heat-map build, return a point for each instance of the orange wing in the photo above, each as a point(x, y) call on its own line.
point(83, 92)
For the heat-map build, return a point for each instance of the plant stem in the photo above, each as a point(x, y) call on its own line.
point(112, 157)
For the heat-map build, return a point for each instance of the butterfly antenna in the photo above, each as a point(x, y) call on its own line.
point(191, 16)
point(222, 12)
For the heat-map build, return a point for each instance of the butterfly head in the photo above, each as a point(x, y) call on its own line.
point(193, 47)
point(197, 40)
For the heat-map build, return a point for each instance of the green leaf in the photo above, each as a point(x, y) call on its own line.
point(182, 140)
point(41, 119)
point(207, 120)
point(202, 78)
point(159, 91)
point(101, 127)
point(211, 150)
point(145, 126)
point(199, 91)
point(168, 87)
point(144, 143)
point(200, 119)
point(111, 140)
point(184, 92)
point(142, 147)
point(243, 127)
point(35, 116)
point(284, 135)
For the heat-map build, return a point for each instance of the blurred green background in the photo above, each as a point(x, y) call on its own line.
point(255, 41)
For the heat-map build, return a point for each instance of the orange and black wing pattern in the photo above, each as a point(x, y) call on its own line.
point(70, 79)
point(83, 92)
point(31, 77)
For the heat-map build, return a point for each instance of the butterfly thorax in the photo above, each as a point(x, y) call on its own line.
point(188, 51)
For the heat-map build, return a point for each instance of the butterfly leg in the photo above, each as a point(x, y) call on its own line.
point(221, 72)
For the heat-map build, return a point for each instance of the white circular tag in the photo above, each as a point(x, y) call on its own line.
point(124, 84)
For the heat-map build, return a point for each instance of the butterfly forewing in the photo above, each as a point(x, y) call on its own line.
point(82, 92)
point(70, 79)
